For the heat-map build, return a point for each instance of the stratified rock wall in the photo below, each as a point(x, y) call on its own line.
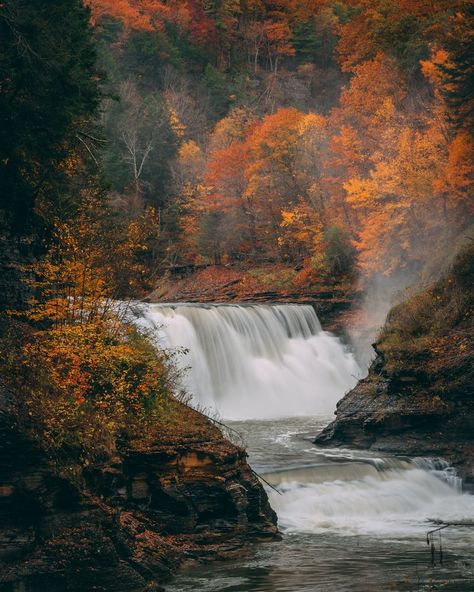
point(379, 414)
point(418, 398)
point(133, 519)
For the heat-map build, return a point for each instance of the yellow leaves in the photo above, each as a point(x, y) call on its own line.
point(176, 125)
point(374, 81)
point(360, 192)
point(386, 112)
point(91, 381)
point(302, 228)
point(287, 218)
point(311, 123)
point(398, 199)
point(234, 127)
point(189, 152)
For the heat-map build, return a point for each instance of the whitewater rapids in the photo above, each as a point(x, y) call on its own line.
point(255, 361)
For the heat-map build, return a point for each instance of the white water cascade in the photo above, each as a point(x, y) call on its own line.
point(255, 361)
point(372, 497)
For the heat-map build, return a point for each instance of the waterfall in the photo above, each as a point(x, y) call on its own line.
point(255, 361)
point(374, 497)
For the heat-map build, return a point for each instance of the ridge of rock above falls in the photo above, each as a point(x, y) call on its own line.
point(418, 398)
point(130, 521)
point(226, 284)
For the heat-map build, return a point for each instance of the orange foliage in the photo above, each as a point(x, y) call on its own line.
point(89, 376)
point(225, 178)
point(384, 167)
point(376, 88)
point(145, 15)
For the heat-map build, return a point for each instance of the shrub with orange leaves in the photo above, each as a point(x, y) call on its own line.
point(89, 378)
point(86, 387)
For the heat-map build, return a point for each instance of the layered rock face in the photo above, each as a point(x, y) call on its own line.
point(128, 523)
point(378, 414)
point(418, 398)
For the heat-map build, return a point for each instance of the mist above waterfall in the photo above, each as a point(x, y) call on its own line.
point(256, 361)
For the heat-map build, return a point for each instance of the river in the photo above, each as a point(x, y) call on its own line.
point(351, 520)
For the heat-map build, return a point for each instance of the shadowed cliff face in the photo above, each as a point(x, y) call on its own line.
point(133, 519)
point(418, 398)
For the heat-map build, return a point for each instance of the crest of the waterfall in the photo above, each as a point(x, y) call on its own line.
point(255, 361)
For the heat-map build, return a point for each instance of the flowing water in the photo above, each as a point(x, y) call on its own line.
point(256, 361)
point(351, 520)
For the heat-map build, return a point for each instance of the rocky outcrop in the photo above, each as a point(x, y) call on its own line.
point(379, 414)
point(130, 521)
point(418, 398)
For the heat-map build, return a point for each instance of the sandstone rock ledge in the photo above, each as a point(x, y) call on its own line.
point(131, 521)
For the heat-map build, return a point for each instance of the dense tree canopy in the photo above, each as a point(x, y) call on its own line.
point(244, 132)
point(48, 96)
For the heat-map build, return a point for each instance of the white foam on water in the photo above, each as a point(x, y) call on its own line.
point(368, 498)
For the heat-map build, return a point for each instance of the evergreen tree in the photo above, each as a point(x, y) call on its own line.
point(48, 92)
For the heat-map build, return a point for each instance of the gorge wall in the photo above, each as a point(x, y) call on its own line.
point(127, 523)
point(418, 398)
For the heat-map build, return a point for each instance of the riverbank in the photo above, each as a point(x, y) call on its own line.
point(128, 523)
point(418, 398)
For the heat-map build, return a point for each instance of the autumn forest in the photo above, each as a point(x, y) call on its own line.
point(295, 153)
point(326, 136)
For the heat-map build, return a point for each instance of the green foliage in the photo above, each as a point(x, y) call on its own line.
point(338, 259)
point(147, 55)
point(192, 56)
point(314, 41)
point(219, 90)
point(209, 243)
point(404, 38)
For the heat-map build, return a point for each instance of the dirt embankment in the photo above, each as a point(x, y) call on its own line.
point(225, 284)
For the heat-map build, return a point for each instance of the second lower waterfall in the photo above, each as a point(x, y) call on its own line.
point(255, 361)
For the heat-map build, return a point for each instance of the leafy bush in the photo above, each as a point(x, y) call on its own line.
point(85, 387)
point(81, 379)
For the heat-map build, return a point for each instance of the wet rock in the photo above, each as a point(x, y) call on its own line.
point(390, 414)
point(418, 398)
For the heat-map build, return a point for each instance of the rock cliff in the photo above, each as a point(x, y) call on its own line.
point(127, 523)
point(418, 398)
